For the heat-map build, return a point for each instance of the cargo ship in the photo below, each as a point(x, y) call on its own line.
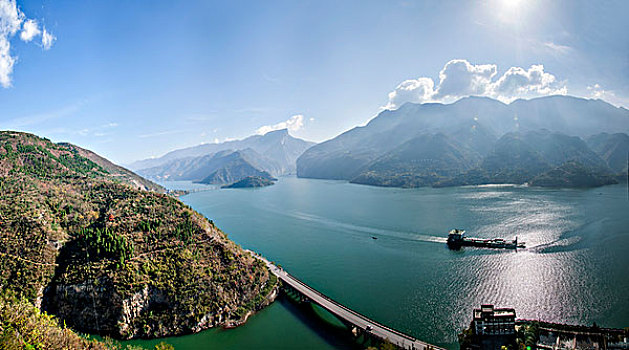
point(456, 240)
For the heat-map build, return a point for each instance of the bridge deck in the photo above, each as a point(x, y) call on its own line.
point(360, 321)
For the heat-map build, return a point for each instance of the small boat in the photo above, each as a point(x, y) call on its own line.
point(374, 237)
point(456, 240)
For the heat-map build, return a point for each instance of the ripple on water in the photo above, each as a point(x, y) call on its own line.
point(573, 269)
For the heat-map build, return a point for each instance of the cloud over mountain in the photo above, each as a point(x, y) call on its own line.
point(294, 123)
point(460, 78)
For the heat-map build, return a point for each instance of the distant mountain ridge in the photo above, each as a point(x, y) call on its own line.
point(269, 155)
point(432, 143)
point(198, 168)
point(236, 167)
point(277, 145)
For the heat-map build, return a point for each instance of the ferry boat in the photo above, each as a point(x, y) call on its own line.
point(456, 240)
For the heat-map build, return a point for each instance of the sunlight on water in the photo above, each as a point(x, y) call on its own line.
point(382, 251)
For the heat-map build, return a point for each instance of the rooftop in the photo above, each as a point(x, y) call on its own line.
point(489, 310)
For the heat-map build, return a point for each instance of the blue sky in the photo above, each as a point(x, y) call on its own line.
point(134, 79)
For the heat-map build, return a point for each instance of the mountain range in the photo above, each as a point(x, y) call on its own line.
point(266, 156)
point(476, 140)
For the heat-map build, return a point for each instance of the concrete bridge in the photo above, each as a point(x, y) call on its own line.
point(358, 323)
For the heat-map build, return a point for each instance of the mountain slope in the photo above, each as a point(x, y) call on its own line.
point(199, 168)
point(570, 115)
point(277, 146)
point(422, 161)
point(108, 258)
point(116, 171)
point(250, 182)
point(344, 156)
point(521, 157)
point(513, 160)
point(234, 167)
point(572, 174)
point(613, 148)
point(558, 148)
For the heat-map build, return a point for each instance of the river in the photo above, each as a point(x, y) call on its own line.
point(575, 267)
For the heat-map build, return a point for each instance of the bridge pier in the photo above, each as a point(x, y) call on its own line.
point(362, 328)
point(363, 338)
point(295, 294)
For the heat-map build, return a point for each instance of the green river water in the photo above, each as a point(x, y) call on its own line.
point(575, 268)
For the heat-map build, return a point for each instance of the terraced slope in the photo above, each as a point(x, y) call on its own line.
point(108, 258)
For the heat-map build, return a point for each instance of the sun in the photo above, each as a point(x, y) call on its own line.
point(511, 4)
point(510, 11)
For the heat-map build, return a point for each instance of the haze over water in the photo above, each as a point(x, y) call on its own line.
point(573, 270)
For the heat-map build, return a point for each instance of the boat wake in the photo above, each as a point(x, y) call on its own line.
point(368, 231)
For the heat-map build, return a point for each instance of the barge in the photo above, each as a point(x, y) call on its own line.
point(456, 240)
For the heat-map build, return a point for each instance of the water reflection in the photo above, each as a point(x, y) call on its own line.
point(573, 269)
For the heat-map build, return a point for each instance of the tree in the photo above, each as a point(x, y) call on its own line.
point(164, 346)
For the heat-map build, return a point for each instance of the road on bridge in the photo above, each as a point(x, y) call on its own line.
point(348, 315)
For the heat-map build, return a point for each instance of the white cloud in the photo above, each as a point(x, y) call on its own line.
point(47, 39)
point(557, 48)
point(413, 90)
point(30, 29)
point(294, 123)
point(459, 78)
point(6, 63)
point(11, 19)
point(596, 91)
point(518, 82)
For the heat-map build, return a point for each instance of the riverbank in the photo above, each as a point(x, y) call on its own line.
point(549, 335)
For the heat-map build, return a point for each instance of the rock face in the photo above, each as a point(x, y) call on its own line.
point(25, 327)
point(108, 258)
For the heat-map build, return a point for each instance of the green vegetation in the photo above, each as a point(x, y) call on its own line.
point(474, 142)
point(107, 258)
point(251, 181)
point(24, 327)
point(44, 159)
point(539, 158)
point(572, 174)
point(237, 168)
point(385, 345)
point(528, 334)
point(104, 244)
